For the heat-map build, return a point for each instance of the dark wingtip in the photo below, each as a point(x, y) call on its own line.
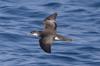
point(55, 13)
point(47, 51)
point(52, 16)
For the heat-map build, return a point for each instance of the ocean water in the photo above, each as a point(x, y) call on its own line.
point(77, 19)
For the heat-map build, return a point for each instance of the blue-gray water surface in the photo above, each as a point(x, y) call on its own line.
point(77, 19)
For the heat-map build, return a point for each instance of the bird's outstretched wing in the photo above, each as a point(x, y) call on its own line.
point(50, 22)
point(45, 43)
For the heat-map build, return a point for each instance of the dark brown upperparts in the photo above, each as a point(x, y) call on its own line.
point(48, 35)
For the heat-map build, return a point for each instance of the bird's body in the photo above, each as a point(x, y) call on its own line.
point(48, 35)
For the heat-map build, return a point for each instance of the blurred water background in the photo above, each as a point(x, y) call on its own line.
point(77, 19)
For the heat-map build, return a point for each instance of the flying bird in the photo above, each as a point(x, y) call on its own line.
point(49, 34)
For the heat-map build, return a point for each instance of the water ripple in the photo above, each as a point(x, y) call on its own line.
point(53, 4)
point(77, 19)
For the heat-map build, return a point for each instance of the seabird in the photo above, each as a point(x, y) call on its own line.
point(49, 34)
